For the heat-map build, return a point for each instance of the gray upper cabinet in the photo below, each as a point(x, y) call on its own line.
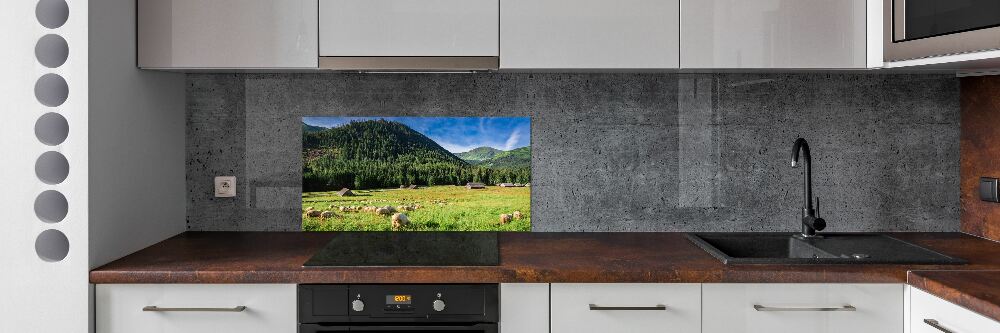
point(589, 34)
point(409, 28)
point(779, 34)
point(223, 34)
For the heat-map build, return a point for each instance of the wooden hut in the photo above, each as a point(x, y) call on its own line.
point(345, 192)
point(413, 187)
point(475, 186)
point(506, 185)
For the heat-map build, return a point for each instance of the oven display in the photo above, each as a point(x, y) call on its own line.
point(398, 299)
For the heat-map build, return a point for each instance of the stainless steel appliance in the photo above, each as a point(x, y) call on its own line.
point(468, 308)
point(916, 29)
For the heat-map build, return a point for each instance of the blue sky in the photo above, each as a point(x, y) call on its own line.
point(456, 134)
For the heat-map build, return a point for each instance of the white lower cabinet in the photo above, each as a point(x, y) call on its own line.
point(626, 307)
point(802, 308)
point(196, 308)
point(524, 308)
point(930, 314)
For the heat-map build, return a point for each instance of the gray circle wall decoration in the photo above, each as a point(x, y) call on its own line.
point(51, 129)
point(51, 51)
point(52, 245)
point(52, 13)
point(51, 90)
point(52, 168)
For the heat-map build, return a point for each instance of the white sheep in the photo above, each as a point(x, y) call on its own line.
point(383, 211)
point(326, 214)
point(313, 213)
point(399, 221)
point(517, 215)
point(505, 218)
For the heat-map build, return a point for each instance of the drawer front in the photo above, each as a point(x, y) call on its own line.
point(946, 315)
point(269, 308)
point(641, 308)
point(734, 308)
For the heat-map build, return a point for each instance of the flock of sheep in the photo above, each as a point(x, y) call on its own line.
point(506, 218)
point(399, 219)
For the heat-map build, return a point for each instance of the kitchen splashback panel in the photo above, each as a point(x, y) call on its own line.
point(615, 152)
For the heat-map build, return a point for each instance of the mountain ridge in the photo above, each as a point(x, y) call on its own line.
point(479, 154)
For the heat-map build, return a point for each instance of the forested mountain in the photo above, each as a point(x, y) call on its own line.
point(479, 154)
point(306, 128)
point(387, 154)
point(377, 140)
point(516, 158)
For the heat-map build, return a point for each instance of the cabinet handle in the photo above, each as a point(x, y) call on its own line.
point(595, 307)
point(759, 307)
point(154, 308)
point(935, 324)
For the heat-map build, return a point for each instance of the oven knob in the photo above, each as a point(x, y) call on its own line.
point(438, 305)
point(358, 305)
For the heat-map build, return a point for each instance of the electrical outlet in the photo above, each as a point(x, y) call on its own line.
point(225, 187)
point(988, 189)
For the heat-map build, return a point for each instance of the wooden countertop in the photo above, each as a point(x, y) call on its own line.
point(277, 257)
point(978, 291)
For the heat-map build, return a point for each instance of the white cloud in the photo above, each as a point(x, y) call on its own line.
point(512, 140)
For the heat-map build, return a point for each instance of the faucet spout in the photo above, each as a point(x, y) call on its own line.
point(810, 222)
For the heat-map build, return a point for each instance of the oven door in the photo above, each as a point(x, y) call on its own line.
point(472, 328)
point(916, 29)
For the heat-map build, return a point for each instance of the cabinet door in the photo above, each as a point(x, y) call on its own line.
point(927, 310)
point(524, 308)
point(425, 28)
point(803, 308)
point(773, 34)
point(593, 34)
point(227, 33)
point(270, 308)
point(623, 307)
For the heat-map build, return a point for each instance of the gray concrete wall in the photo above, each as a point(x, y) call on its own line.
point(615, 152)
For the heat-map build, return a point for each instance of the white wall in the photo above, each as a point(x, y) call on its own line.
point(38, 295)
point(125, 138)
point(137, 187)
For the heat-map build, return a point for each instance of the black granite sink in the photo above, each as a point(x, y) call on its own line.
point(834, 248)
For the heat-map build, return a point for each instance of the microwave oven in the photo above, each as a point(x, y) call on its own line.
point(915, 29)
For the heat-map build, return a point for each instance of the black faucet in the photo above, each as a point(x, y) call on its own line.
point(810, 221)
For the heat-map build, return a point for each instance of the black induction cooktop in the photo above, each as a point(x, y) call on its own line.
point(348, 249)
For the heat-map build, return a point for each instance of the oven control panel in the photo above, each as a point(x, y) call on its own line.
point(420, 300)
point(397, 303)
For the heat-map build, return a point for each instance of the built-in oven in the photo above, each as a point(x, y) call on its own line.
point(916, 29)
point(386, 308)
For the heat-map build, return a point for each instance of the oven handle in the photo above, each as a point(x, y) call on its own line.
point(485, 328)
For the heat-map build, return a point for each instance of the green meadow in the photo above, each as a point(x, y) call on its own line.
point(441, 208)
